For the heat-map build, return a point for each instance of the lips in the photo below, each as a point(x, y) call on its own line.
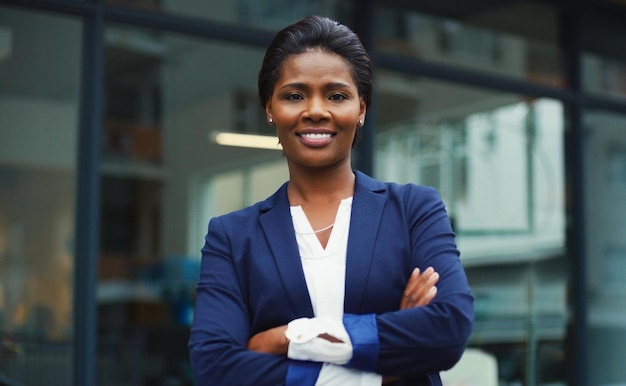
point(316, 137)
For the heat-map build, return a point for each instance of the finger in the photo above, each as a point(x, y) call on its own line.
point(419, 283)
point(424, 293)
point(410, 288)
point(432, 279)
point(427, 298)
point(412, 283)
point(417, 291)
point(414, 288)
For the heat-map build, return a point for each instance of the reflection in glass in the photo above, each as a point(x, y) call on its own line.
point(267, 14)
point(39, 85)
point(497, 160)
point(479, 37)
point(604, 76)
point(605, 193)
point(603, 57)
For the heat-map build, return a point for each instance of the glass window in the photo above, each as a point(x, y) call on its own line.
point(496, 38)
point(605, 201)
point(497, 160)
point(604, 76)
point(604, 60)
point(268, 14)
point(163, 177)
point(40, 58)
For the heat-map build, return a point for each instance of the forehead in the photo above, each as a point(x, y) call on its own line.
point(315, 65)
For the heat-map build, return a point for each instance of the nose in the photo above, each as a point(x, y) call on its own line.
point(316, 108)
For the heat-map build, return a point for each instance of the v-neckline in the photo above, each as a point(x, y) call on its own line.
point(303, 226)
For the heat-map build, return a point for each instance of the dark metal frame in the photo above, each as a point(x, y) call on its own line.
point(96, 13)
point(88, 200)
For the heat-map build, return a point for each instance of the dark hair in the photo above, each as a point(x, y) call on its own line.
point(316, 32)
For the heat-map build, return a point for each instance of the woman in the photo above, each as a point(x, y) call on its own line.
point(331, 280)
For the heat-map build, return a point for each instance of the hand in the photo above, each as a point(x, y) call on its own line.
point(420, 289)
point(272, 341)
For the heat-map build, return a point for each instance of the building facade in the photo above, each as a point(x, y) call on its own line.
point(113, 115)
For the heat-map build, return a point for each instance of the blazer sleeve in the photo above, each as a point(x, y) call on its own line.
point(423, 340)
point(221, 327)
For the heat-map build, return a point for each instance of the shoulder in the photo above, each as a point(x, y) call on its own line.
point(408, 200)
point(250, 214)
point(406, 193)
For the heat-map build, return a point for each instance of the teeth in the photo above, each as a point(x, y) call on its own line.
point(316, 135)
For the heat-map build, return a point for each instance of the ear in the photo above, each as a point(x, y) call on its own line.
point(268, 110)
point(362, 109)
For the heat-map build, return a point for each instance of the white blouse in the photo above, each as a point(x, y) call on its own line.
point(325, 274)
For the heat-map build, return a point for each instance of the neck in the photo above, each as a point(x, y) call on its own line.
point(307, 187)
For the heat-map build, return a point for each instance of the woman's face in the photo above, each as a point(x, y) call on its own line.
point(316, 108)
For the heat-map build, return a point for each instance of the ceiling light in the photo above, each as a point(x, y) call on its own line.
point(246, 140)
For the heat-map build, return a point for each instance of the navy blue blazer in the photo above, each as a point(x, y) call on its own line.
point(252, 280)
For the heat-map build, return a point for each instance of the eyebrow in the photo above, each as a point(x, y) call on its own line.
point(303, 86)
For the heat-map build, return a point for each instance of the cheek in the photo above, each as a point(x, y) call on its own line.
point(283, 130)
point(285, 115)
point(350, 120)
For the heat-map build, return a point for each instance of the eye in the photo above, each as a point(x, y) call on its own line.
point(338, 97)
point(294, 97)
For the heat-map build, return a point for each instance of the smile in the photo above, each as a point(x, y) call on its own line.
point(316, 136)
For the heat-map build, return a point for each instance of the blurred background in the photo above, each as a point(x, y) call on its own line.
point(111, 166)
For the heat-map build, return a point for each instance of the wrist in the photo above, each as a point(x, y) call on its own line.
point(283, 346)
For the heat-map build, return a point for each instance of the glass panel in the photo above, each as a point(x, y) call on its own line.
point(604, 76)
point(497, 160)
point(267, 14)
point(494, 38)
point(605, 200)
point(604, 60)
point(163, 177)
point(39, 87)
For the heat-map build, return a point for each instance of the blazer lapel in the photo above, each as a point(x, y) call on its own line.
point(367, 208)
point(275, 221)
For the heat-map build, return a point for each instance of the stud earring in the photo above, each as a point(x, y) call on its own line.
point(361, 123)
point(270, 120)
